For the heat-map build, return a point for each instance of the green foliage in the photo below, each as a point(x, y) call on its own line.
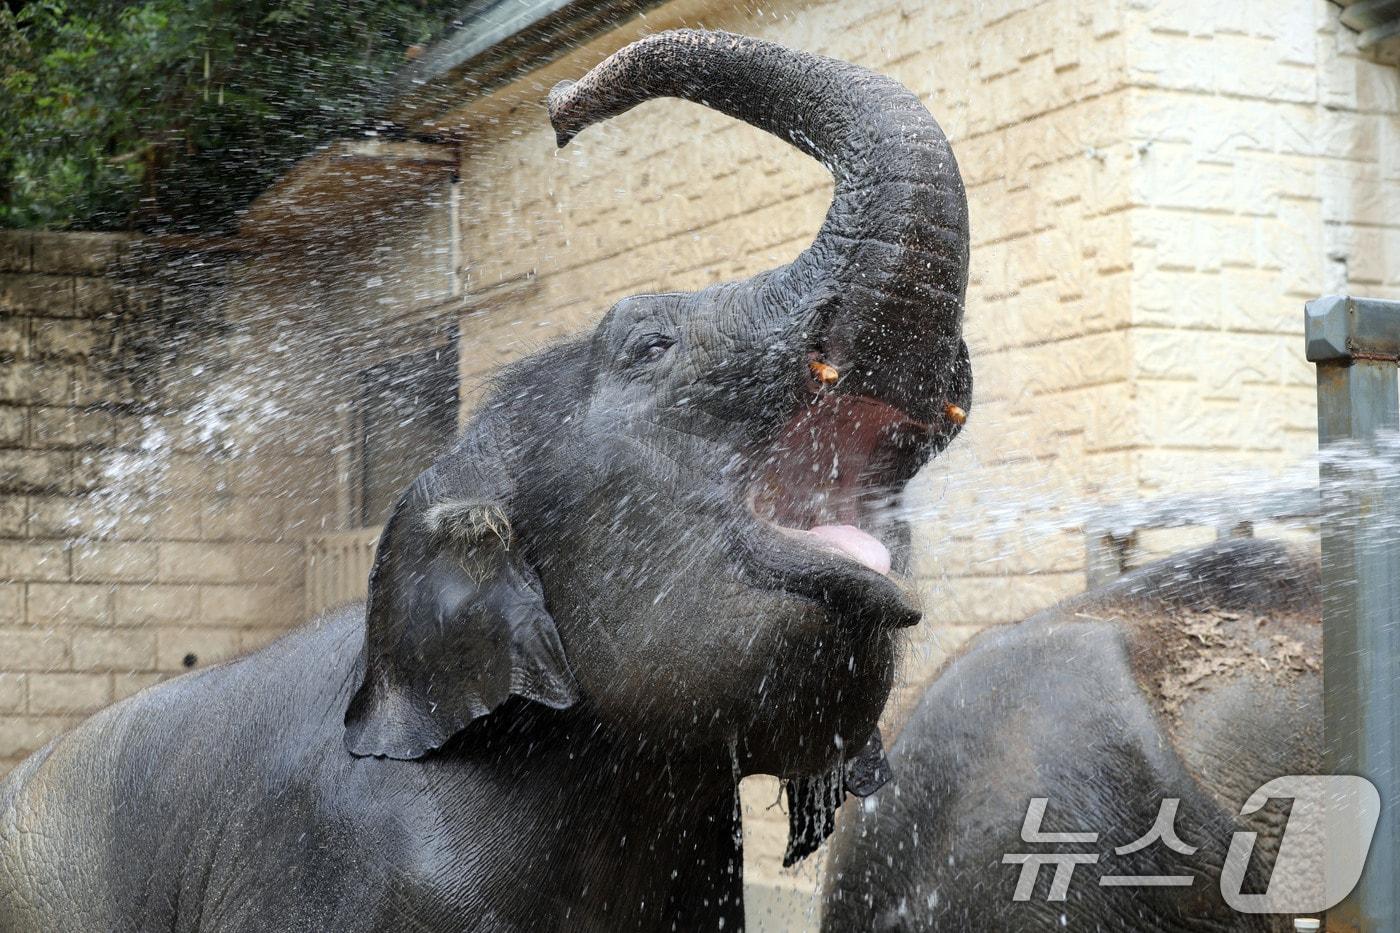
point(174, 114)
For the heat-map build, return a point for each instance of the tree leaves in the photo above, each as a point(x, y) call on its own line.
point(174, 114)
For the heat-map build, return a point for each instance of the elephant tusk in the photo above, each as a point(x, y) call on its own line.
point(955, 413)
point(824, 373)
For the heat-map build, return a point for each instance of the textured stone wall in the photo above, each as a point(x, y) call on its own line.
point(1267, 151)
point(137, 539)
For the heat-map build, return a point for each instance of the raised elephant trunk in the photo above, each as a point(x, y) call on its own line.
point(881, 288)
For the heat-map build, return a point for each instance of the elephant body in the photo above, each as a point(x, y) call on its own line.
point(1196, 678)
point(661, 556)
point(225, 801)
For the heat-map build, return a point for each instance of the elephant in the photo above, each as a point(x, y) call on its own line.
point(1197, 678)
point(659, 557)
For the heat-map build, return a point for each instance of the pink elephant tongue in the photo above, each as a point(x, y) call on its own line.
point(855, 544)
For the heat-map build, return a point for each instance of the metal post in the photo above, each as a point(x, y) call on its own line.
point(1355, 343)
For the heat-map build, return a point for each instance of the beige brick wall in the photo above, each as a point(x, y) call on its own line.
point(1267, 150)
point(136, 540)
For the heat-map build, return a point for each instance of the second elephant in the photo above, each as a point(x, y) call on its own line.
point(1195, 680)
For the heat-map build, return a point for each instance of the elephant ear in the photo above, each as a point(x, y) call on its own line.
point(813, 801)
point(455, 622)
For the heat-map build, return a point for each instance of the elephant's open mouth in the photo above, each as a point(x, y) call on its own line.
point(828, 484)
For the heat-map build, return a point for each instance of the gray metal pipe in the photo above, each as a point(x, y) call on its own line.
point(1355, 343)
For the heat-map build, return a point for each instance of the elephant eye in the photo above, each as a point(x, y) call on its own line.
point(653, 347)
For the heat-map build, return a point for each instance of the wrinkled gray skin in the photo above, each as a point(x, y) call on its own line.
point(1163, 684)
point(592, 615)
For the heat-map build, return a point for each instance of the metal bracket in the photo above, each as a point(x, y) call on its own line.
point(1339, 327)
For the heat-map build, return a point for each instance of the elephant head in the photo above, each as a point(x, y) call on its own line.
point(682, 525)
